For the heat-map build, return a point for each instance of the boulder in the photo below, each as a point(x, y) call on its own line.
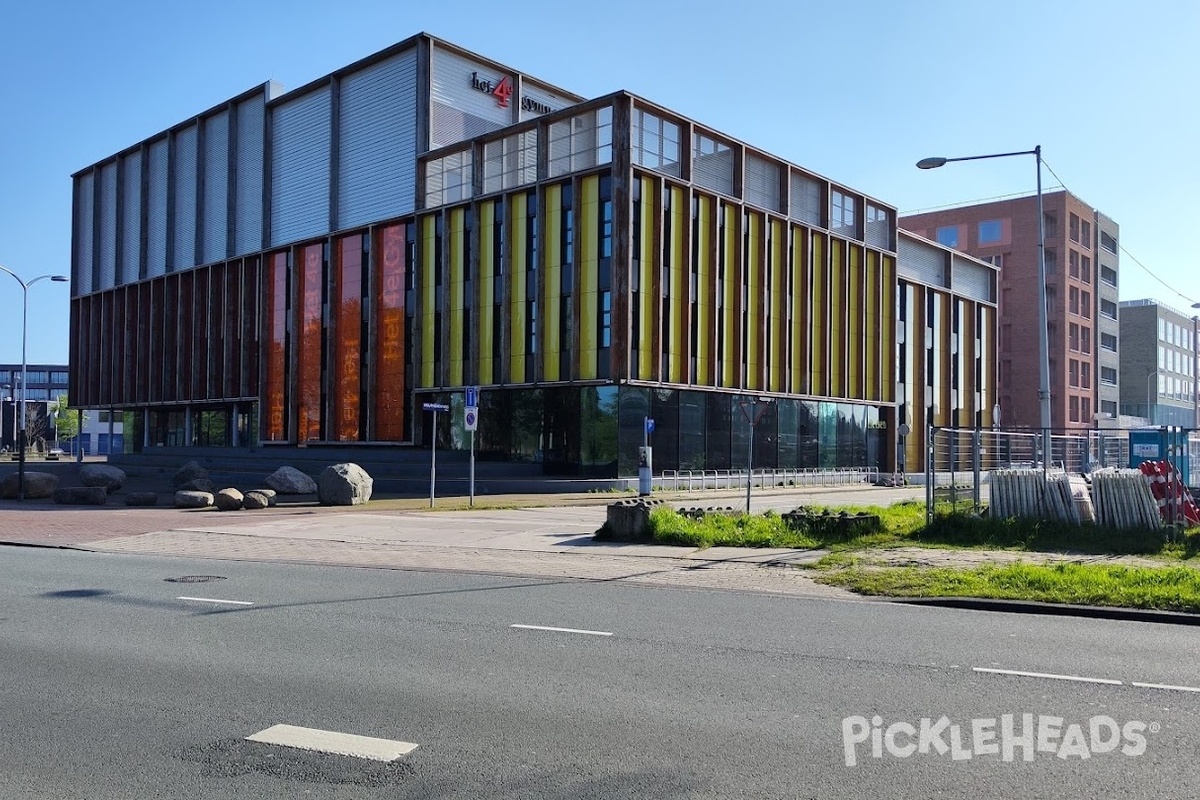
point(344, 485)
point(193, 499)
point(255, 500)
point(267, 493)
point(289, 480)
point(228, 500)
point(197, 485)
point(188, 472)
point(141, 499)
point(111, 478)
point(38, 485)
point(81, 496)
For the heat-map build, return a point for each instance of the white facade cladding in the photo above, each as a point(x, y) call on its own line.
point(131, 217)
point(248, 198)
point(537, 100)
point(156, 208)
point(377, 156)
point(467, 98)
point(300, 141)
point(215, 220)
point(84, 233)
point(108, 226)
point(712, 164)
point(262, 169)
point(183, 170)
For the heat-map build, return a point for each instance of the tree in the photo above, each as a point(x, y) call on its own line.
point(68, 418)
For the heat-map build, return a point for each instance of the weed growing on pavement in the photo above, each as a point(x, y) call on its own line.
point(1161, 588)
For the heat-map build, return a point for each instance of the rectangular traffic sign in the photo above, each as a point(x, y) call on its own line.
point(471, 418)
point(472, 398)
point(649, 425)
point(436, 407)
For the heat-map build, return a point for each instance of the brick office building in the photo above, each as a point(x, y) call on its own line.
point(1081, 299)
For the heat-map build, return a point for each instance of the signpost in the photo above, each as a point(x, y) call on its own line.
point(471, 423)
point(435, 408)
point(752, 410)
point(646, 460)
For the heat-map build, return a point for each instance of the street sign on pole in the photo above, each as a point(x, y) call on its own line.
point(471, 423)
point(435, 408)
point(471, 418)
point(472, 397)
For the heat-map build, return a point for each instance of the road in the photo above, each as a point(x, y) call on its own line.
point(113, 687)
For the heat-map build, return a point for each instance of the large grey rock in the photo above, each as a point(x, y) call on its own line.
point(141, 499)
point(344, 485)
point(228, 500)
point(289, 480)
point(255, 500)
point(188, 472)
point(111, 478)
point(38, 485)
point(267, 494)
point(197, 485)
point(193, 499)
point(81, 496)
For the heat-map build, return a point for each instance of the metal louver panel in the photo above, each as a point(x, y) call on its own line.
point(462, 110)
point(248, 221)
point(762, 182)
point(378, 142)
point(216, 187)
point(131, 218)
point(82, 279)
point(712, 165)
point(300, 168)
point(921, 262)
point(184, 172)
point(108, 226)
point(806, 199)
point(971, 280)
point(156, 210)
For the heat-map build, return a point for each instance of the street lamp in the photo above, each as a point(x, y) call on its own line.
point(1043, 336)
point(24, 377)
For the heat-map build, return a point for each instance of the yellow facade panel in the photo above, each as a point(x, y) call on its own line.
point(428, 296)
point(820, 318)
point(887, 323)
point(589, 272)
point(778, 329)
point(837, 318)
point(704, 301)
point(800, 332)
point(680, 268)
point(754, 286)
point(731, 357)
point(516, 298)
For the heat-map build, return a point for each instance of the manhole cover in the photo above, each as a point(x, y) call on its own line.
point(195, 579)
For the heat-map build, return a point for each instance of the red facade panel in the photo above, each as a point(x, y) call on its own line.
point(308, 355)
point(275, 416)
point(389, 315)
point(347, 395)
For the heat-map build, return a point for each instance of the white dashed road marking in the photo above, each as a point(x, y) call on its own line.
point(1049, 675)
point(343, 744)
point(214, 600)
point(1165, 686)
point(561, 630)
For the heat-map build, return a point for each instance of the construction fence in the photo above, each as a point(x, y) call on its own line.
point(960, 461)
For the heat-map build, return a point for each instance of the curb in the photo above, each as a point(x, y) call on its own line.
point(1054, 609)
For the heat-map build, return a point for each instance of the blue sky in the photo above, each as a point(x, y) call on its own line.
point(857, 91)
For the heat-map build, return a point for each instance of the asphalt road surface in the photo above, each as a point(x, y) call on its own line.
point(111, 686)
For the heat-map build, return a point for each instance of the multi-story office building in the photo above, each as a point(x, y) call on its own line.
point(314, 266)
point(45, 382)
point(1080, 298)
point(1158, 363)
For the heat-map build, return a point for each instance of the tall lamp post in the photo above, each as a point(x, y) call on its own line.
point(1043, 336)
point(24, 378)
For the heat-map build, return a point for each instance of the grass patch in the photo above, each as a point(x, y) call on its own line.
point(668, 526)
point(1162, 588)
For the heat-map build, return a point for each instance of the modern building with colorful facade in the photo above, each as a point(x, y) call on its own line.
point(312, 267)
